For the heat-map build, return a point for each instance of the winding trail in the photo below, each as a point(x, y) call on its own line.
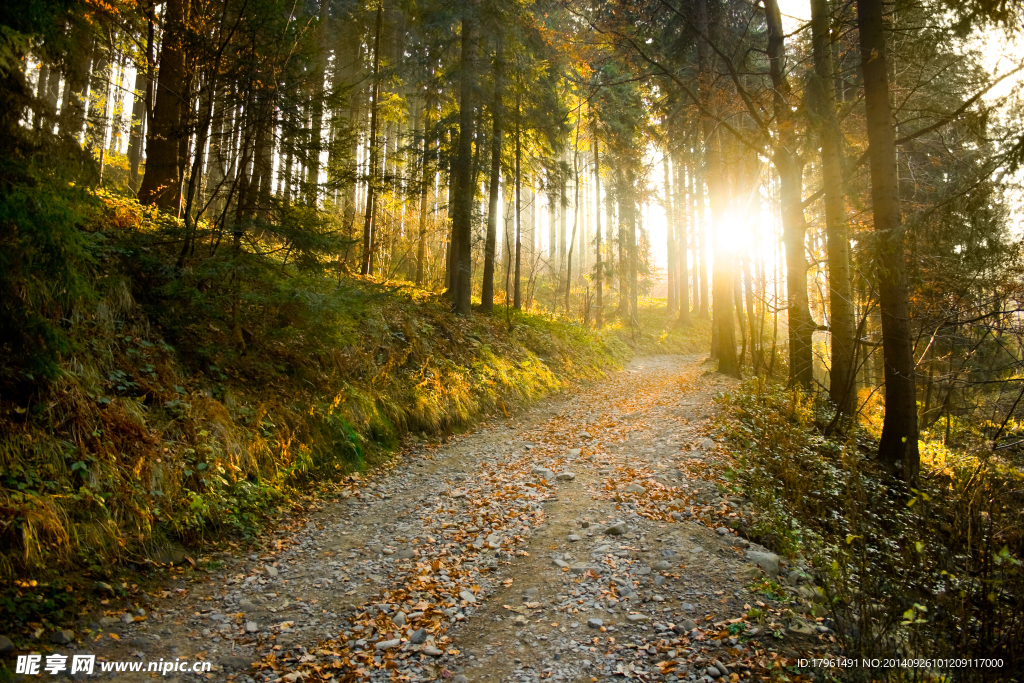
point(582, 540)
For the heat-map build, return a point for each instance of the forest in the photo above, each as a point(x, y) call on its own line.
point(251, 247)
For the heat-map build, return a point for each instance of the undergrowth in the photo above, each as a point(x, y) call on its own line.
point(168, 405)
point(929, 572)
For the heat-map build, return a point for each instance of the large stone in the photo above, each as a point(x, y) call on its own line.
point(234, 662)
point(270, 571)
point(565, 476)
point(685, 626)
point(637, 617)
point(707, 444)
point(662, 566)
point(251, 627)
point(406, 554)
point(468, 597)
point(635, 488)
point(595, 623)
point(62, 637)
point(431, 651)
point(767, 561)
point(617, 529)
point(5, 644)
point(385, 645)
point(418, 637)
point(399, 619)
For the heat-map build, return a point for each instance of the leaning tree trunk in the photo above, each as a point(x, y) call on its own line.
point(842, 382)
point(897, 449)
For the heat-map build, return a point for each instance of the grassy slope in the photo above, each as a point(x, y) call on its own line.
point(159, 429)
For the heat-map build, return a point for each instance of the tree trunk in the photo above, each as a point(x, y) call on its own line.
point(517, 290)
point(670, 238)
point(682, 274)
point(842, 381)
point(897, 449)
point(794, 225)
point(76, 82)
point(462, 195)
point(369, 220)
point(421, 245)
point(490, 243)
point(161, 184)
point(599, 265)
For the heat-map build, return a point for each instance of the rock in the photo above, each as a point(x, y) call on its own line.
point(585, 524)
point(140, 612)
point(688, 606)
point(431, 651)
point(418, 637)
point(245, 604)
point(406, 554)
point(803, 628)
point(104, 587)
point(572, 538)
point(141, 642)
point(520, 620)
point(270, 571)
point(235, 662)
point(595, 623)
point(460, 679)
point(685, 626)
point(62, 637)
point(251, 627)
point(722, 531)
point(795, 577)
point(565, 476)
point(810, 593)
point(531, 594)
point(662, 566)
point(6, 645)
point(561, 564)
point(635, 618)
point(385, 645)
point(575, 451)
point(713, 672)
point(127, 618)
point(468, 597)
point(635, 488)
point(584, 435)
point(767, 561)
point(617, 529)
point(707, 444)
point(399, 619)
point(107, 622)
point(721, 667)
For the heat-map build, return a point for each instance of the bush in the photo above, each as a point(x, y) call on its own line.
point(929, 572)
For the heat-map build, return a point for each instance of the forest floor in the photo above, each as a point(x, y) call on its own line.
point(585, 539)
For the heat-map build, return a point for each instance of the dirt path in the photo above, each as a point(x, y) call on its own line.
point(577, 541)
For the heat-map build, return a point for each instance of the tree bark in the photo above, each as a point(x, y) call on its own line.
point(898, 448)
point(794, 224)
point(490, 242)
point(462, 195)
point(369, 220)
point(670, 238)
point(161, 184)
point(599, 267)
point(842, 380)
